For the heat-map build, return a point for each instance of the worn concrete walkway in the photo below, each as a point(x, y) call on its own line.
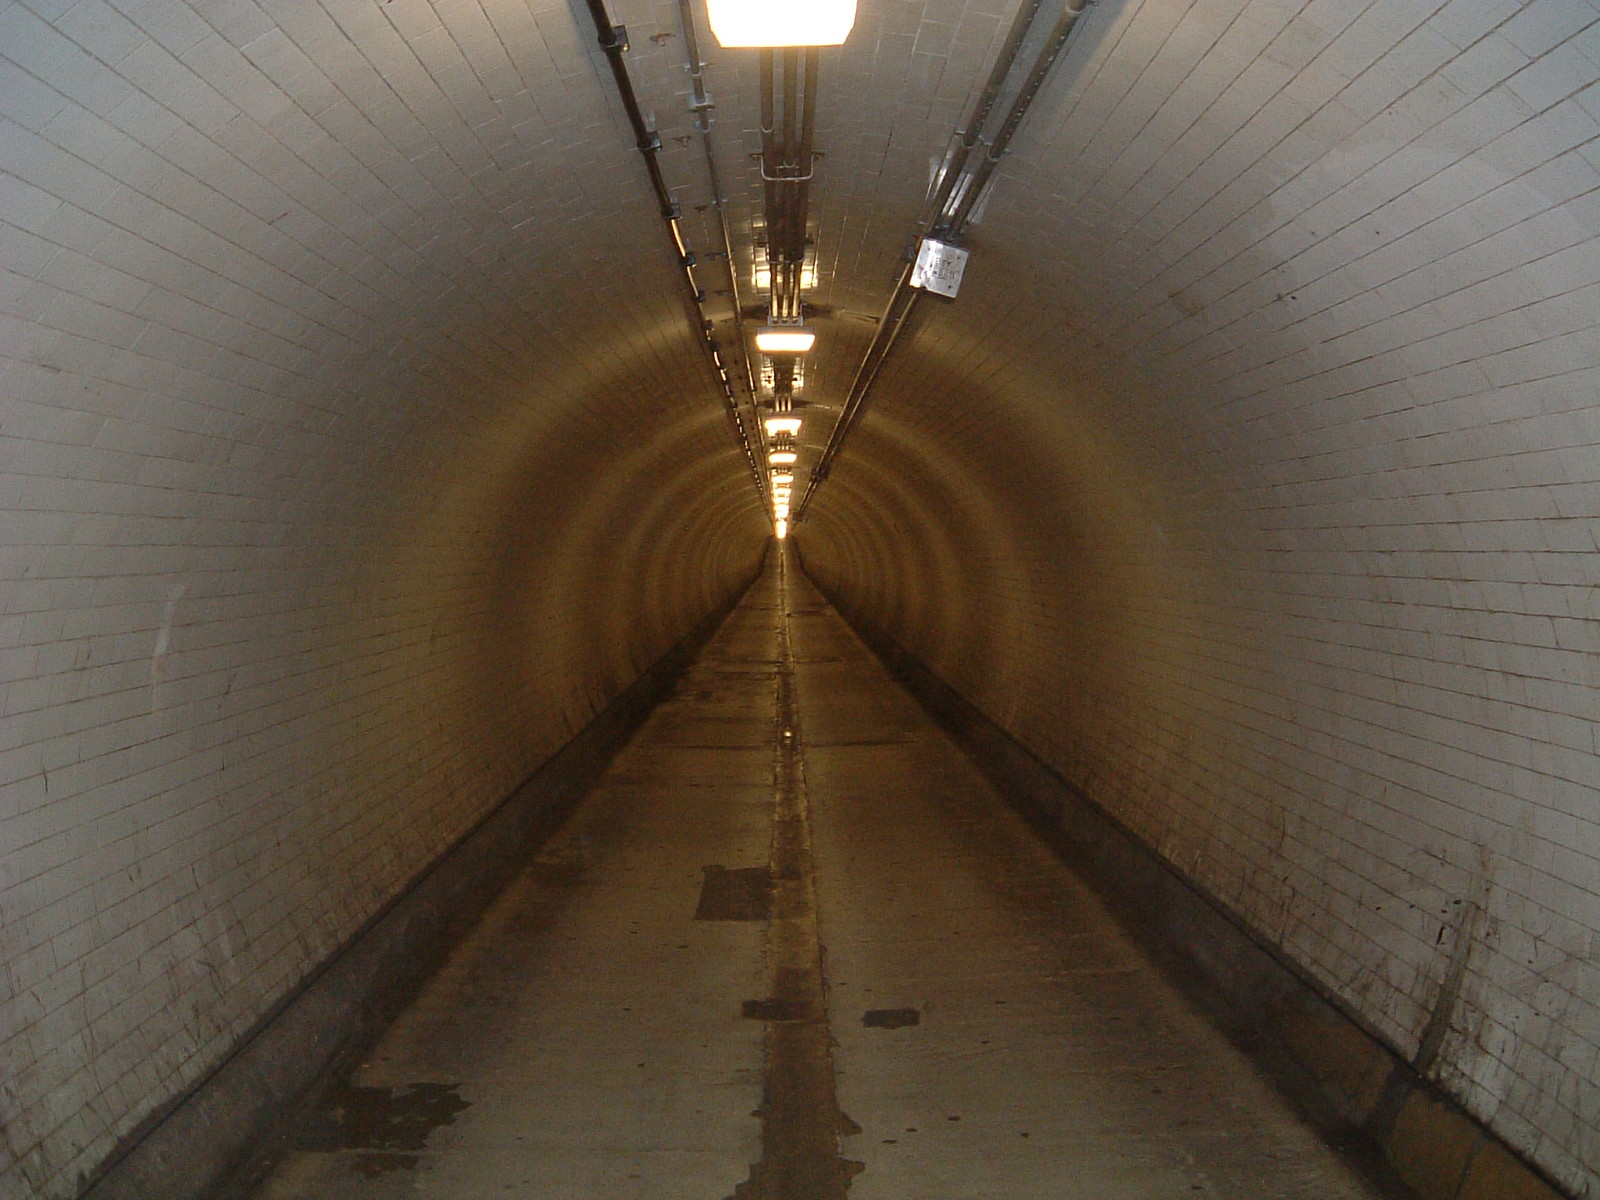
point(794, 947)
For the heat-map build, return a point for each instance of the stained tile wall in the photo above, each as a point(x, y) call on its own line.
point(333, 504)
point(1253, 481)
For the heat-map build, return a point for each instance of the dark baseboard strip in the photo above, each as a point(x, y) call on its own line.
point(199, 1142)
point(1335, 1070)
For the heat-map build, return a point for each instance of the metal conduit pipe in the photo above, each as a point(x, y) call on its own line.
point(648, 143)
point(802, 166)
point(645, 139)
point(700, 104)
point(902, 302)
point(903, 299)
point(769, 154)
point(1051, 51)
point(785, 170)
point(788, 168)
point(969, 137)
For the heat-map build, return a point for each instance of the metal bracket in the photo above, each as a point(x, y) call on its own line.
point(790, 178)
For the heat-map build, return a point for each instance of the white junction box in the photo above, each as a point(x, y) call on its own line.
point(939, 267)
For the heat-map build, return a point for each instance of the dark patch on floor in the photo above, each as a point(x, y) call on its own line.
point(372, 1165)
point(735, 894)
point(891, 1018)
point(554, 874)
point(787, 861)
point(775, 1010)
point(801, 1122)
point(394, 1120)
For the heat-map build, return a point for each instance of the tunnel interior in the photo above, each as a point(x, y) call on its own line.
point(363, 442)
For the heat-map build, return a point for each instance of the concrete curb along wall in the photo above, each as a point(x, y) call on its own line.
point(1304, 1039)
point(192, 1147)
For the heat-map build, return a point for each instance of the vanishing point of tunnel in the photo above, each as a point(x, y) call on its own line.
point(942, 599)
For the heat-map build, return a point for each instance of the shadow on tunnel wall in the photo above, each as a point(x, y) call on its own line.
point(1045, 597)
point(368, 630)
point(200, 1144)
point(1337, 1072)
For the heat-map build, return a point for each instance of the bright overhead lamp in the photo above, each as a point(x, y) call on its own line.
point(781, 509)
point(785, 339)
point(781, 22)
point(777, 425)
point(782, 477)
point(782, 529)
point(782, 458)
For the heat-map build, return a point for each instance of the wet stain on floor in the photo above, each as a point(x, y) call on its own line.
point(372, 1164)
point(735, 894)
point(802, 1125)
point(891, 1018)
point(388, 1127)
point(775, 1010)
point(556, 874)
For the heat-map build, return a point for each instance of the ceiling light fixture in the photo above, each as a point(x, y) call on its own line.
point(777, 425)
point(781, 22)
point(782, 477)
point(781, 458)
point(785, 339)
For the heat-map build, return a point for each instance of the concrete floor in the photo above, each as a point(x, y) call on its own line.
point(792, 947)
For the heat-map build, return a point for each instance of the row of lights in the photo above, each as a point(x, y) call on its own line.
point(788, 341)
point(781, 434)
point(782, 23)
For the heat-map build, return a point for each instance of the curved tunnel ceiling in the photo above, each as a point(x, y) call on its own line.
point(359, 448)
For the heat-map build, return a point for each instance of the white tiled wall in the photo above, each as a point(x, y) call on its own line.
point(1254, 481)
point(332, 505)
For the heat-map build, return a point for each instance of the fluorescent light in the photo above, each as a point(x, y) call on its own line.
point(782, 477)
point(782, 529)
point(781, 22)
point(780, 510)
point(784, 339)
point(777, 425)
point(781, 458)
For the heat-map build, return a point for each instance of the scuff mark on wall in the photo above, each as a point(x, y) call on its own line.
point(158, 656)
point(1466, 931)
